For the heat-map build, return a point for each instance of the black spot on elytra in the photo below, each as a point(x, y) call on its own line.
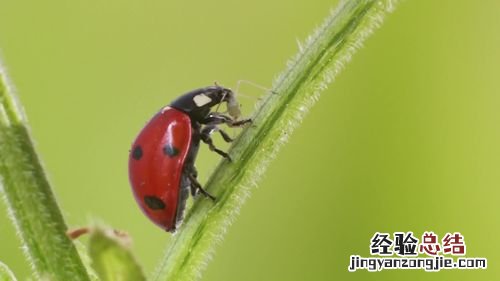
point(137, 152)
point(154, 202)
point(170, 150)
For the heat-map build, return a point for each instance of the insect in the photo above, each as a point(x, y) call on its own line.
point(161, 160)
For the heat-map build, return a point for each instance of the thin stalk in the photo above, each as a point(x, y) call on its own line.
point(316, 65)
point(29, 198)
point(5, 273)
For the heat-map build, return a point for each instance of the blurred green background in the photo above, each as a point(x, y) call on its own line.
point(407, 139)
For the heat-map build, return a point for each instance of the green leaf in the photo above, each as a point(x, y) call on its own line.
point(29, 198)
point(112, 259)
point(315, 66)
point(87, 261)
point(5, 273)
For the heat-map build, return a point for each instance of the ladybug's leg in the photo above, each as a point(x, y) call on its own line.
point(215, 118)
point(193, 173)
point(195, 185)
point(206, 138)
point(240, 123)
point(224, 135)
point(211, 123)
point(211, 128)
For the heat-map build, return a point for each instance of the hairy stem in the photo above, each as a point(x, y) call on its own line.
point(5, 273)
point(29, 198)
point(316, 65)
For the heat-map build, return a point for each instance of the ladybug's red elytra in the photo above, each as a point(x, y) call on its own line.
point(161, 161)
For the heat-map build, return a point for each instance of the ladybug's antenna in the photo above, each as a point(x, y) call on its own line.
point(218, 104)
point(223, 97)
point(251, 84)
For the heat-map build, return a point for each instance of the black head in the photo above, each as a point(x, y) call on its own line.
point(198, 103)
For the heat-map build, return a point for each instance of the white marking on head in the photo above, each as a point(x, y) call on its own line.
point(201, 99)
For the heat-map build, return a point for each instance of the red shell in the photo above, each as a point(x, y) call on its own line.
point(156, 162)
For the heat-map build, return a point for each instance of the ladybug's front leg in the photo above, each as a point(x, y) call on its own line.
point(206, 138)
point(211, 122)
point(216, 118)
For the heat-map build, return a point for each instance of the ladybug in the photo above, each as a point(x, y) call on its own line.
point(161, 160)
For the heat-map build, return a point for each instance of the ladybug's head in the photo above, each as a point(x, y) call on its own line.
point(198, 103)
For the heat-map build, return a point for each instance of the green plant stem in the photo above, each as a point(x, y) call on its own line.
point(5, 273)
point(29, 198)
point(318, 62)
